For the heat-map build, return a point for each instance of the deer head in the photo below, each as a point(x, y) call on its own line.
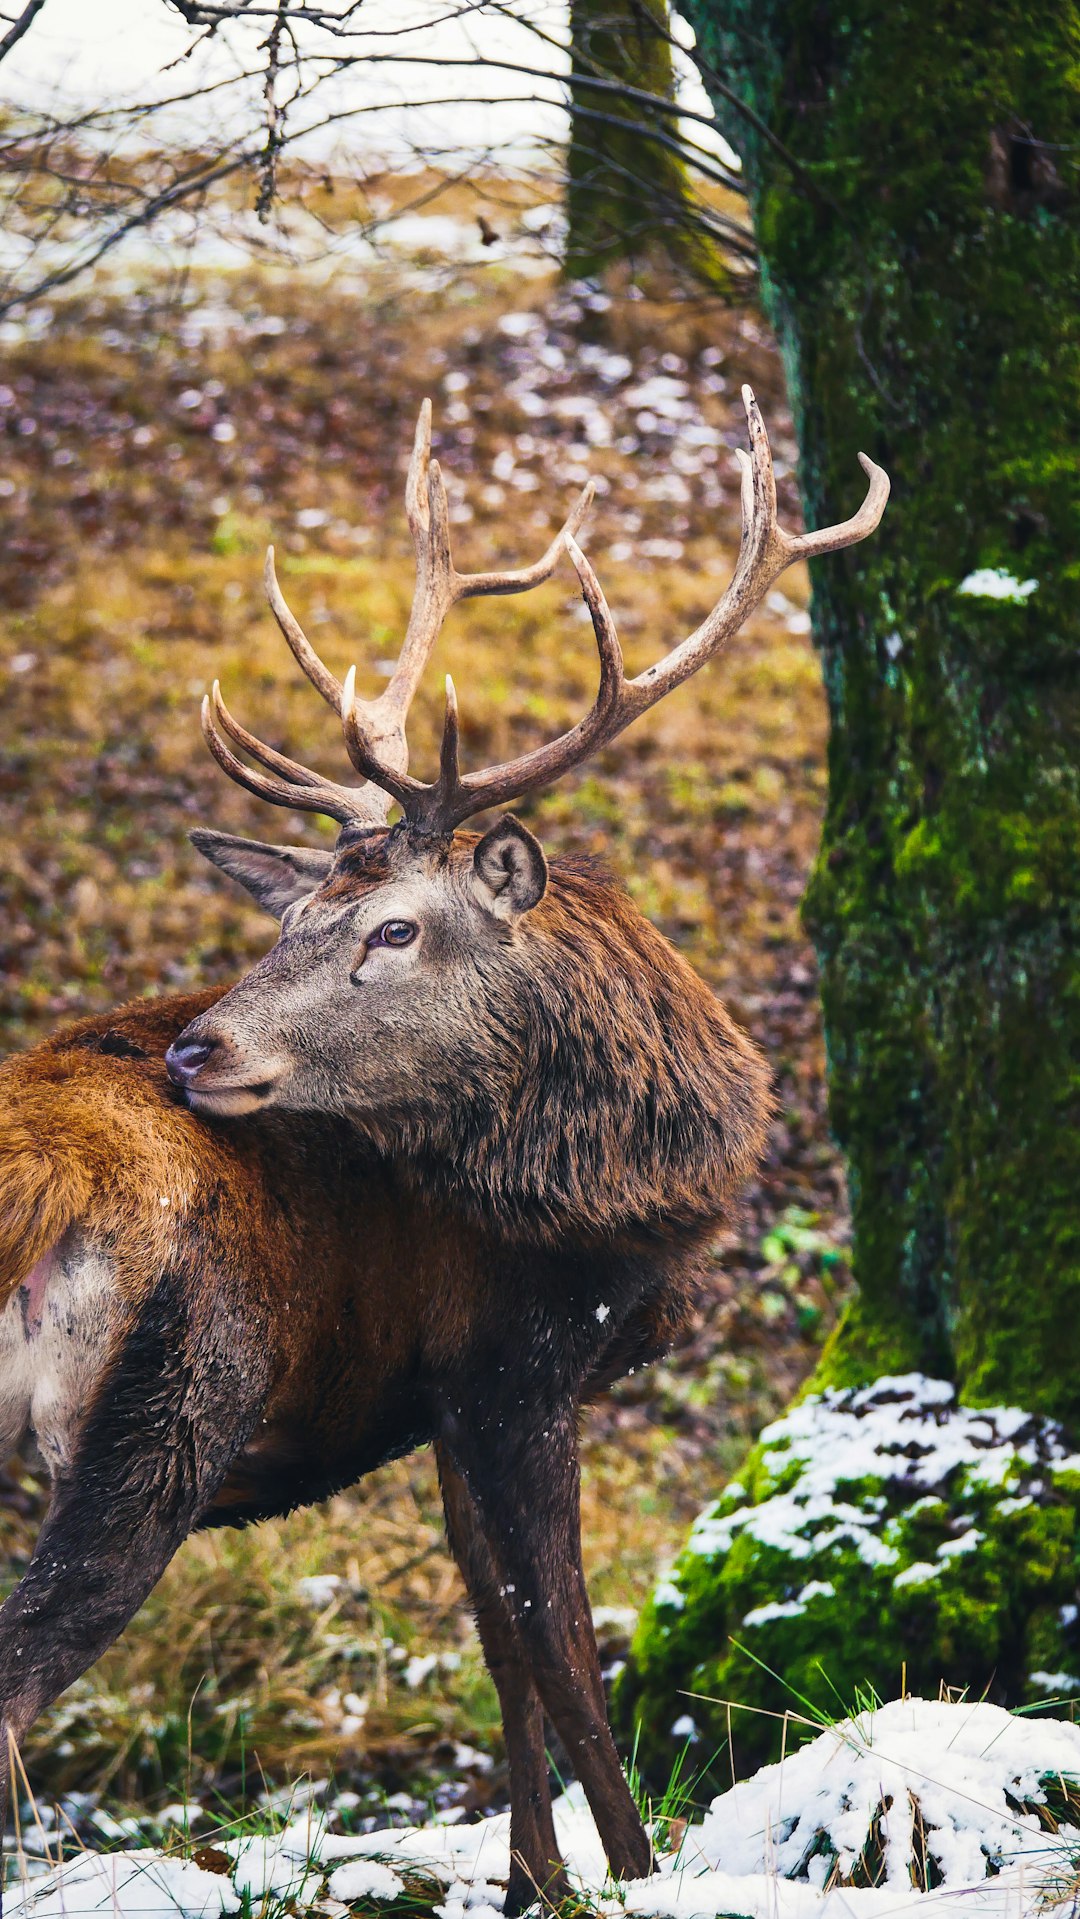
point(445, 990)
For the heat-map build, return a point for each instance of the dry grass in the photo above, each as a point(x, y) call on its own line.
point(130, 577)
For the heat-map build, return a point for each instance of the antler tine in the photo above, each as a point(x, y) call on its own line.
point(469, 586)
point(375, 729)
point(290, 770)
point(830, 539)
point(298, 788)
point(765, 552)
point(612, 664)
point(759, 499)
point(363, 753)
point(428, 514)
point(454, 797)
point(439, 585)
point(303, 651)
point(759, 485)
point(416, 481)
point(449, 773)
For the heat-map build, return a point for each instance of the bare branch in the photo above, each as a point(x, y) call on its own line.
point(275, 131)
point(78, 191)
point(20, 27)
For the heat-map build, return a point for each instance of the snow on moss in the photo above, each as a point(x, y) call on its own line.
point(905, 1432)
point(872, 1528)
point(996, 583)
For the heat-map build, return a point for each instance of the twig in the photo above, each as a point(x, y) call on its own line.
point(22, 25)
point(275, 121)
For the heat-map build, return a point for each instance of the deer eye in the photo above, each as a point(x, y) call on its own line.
point(393, 933)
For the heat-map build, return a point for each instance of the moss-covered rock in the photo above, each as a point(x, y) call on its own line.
point(876, 1536)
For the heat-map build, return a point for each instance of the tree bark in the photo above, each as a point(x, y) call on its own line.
point(913, 173)
point(628, 195)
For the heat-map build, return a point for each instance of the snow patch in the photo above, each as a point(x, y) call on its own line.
point(995, 583)
point(918, 1574)
point(421, 1666)
point(319, 1589)
point(960, 1769)
point(137, 1885)
point(365, 1879)
point(777, 1609)
point(685, 1727)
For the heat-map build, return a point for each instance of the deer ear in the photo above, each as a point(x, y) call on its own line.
point(275, 876)
point(509, 872)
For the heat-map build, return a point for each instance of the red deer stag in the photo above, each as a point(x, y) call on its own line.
point(439, 1169)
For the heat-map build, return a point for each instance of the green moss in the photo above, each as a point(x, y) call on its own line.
point(870, 1341)
point(874, 1538)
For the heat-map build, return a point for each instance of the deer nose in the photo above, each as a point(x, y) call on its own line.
point(186, 1058)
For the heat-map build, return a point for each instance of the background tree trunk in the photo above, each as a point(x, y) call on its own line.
point(628, 195)
point(913, 175)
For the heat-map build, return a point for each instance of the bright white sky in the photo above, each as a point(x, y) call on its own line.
point(93, 51)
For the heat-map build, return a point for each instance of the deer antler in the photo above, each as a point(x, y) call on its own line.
point(375, 729)
point(296, 786)
point(765, 552)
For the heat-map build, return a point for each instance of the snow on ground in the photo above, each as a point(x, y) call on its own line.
point(949, 1791)
point(142, 1882)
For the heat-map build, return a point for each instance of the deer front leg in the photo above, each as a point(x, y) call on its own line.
point(169, 1417)
point(525, 1484)
point(536, 1869)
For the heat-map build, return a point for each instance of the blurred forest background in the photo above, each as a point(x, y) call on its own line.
point(239, 242)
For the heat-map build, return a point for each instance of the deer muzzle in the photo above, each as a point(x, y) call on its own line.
point(214, 1081)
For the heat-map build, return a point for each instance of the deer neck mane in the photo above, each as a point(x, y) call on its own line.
point(620, 1098)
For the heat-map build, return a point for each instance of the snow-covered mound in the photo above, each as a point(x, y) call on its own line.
point(908, 1795)
point(912, 1808)
point(867, 1526)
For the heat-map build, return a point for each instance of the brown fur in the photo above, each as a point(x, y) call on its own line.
point(91, 1136)
point(631, 1101)
point(594, 1088)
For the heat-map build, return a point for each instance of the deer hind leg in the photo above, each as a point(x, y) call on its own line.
point(526, 1491)
point(170, 1415)
point(536, 1868)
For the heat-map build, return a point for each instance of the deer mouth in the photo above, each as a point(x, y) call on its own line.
point(229, 1101)
point(200, 1070)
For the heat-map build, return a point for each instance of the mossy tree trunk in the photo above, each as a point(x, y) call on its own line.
point(629, 195)
point(914, 175)
point(920, 262)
